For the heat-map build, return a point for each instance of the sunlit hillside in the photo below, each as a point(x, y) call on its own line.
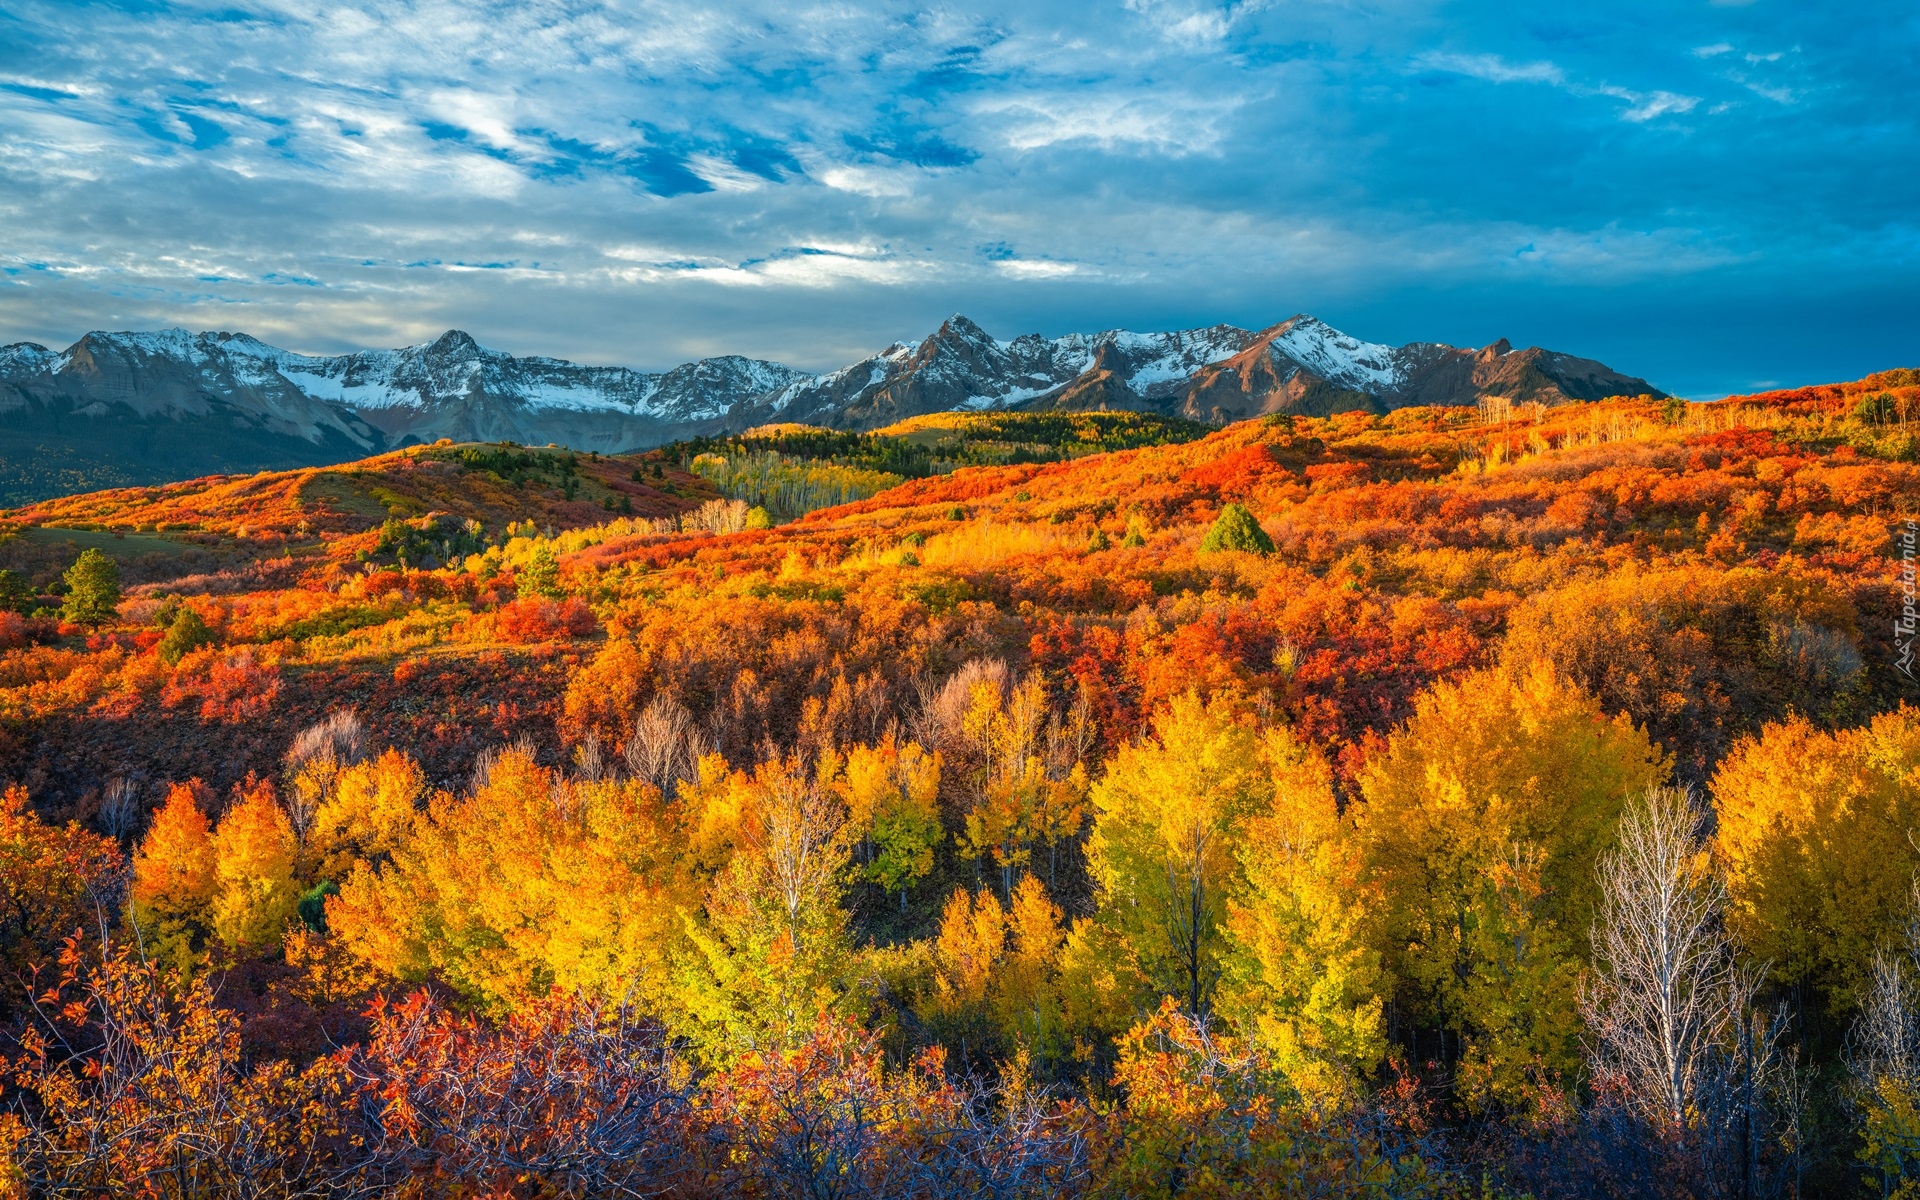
point(1294, 755)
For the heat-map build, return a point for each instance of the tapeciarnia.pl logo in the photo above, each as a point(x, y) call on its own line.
point(1908, 622)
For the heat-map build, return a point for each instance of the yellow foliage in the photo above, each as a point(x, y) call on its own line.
point(533, 882)
point(1001, 964)
point(973, 934)
point(1305, 983)
point(1030, 785)
point(1814, 834)
point(255, 852)
point(1502, 767)
point(771, 951)
point(1170, 814)
point(892, 793)
point(173, 885)
point(982, 543)
point(368, 816)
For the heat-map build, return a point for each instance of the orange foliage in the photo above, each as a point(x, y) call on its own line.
point(173, 870)
point(50, 878)
point(537, 620)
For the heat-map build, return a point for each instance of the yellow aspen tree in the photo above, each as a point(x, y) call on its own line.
point(1169, 817)
point(967, 950)
point(1304, 983)
point(1029, 785)
point(1497, 763)
point(1520, 1004)
point(367, 815)
point(771, 950)
point(254, 853)
point(892, 793)
point(533, 882)
point(1815, 835)
point(1026, 998)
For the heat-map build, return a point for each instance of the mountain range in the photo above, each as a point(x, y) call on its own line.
point(137, 408)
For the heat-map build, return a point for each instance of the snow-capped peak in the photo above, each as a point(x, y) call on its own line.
point(1338, 357)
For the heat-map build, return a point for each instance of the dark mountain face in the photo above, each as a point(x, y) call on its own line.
point(124, 408)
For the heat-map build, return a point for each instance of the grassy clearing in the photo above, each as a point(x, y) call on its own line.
point(118, 545)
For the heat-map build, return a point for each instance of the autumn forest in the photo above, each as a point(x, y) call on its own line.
point(1511, 801)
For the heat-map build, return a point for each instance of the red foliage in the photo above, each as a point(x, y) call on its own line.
point(1235, 473)
point(537, 620)
point(230, 686)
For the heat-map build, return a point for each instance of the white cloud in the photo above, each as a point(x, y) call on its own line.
point(1645, 106)
point(1028, 268)
point(1641, 106)
point(866, 181)
point(1183, 25)
point(1169, 125)
point(1491, 67)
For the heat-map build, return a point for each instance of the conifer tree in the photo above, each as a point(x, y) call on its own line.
point(188, 632)
point(541, 576)
point(93, 590)
point(1237, 529)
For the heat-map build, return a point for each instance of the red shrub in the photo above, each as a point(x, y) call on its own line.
point(229, 686)
point(1235, 473)
point(537, 620)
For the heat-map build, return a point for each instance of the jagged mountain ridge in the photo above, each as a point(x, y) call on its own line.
point(152, 407)
point(1216, 374)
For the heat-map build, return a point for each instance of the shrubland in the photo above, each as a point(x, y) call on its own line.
point(1500, 801)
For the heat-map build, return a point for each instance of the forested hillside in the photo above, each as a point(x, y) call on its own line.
point(1501, 801)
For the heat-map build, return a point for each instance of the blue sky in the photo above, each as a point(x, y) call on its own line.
point(1718, 197)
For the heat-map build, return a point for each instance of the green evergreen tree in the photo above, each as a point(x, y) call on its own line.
point(541, 576)
point(187, 634)
point(15, 592)
point(1237, 529)
point(93, 590)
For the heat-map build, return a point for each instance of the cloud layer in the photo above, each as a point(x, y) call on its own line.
point(1717, 197)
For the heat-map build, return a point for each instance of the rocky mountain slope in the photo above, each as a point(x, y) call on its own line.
point(122, 408)
point(1217, 374)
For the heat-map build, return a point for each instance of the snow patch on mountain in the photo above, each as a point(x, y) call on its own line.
point(27, 358)
point(454, 387)
point(1338, 358)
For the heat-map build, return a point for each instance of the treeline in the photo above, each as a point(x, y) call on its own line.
point(786, 486)
point(943, 442)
